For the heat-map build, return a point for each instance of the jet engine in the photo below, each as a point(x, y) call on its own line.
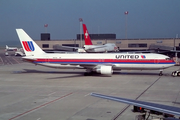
point(105, 70)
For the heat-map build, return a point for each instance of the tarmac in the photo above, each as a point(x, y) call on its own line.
point(30, 92)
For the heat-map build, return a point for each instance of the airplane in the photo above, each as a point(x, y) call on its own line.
point(18, 51)
point(168, 112)
point(103, 63)
point(11, 48)
point(90, 48)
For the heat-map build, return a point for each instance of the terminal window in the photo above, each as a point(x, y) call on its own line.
point(118, 42)
point(71, 45)
point(134, 45)
point(99, 42)
point(159, 41)
point(45, 45)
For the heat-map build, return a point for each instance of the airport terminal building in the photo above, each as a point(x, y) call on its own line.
point(123, 44)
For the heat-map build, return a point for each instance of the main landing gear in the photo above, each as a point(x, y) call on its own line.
point(176, 73)
point(89, 72)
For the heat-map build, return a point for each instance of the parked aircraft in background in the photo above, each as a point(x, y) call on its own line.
point(16, 51)
point(103, 63)
point(11, 48)
point(90, 48)
point(19, 52)
point(168, 112)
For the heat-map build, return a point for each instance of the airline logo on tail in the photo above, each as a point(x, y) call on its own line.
point(86, 34)
point(28, 46)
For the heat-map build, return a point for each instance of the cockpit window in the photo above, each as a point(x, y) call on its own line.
point(168, 58)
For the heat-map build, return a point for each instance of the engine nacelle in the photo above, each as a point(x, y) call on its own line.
point(105, 70)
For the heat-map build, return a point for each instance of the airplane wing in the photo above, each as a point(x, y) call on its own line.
point(100, 46)
point(70, 47)
point(175, 51)
point(147, 105)
point(79, 49)
point(85, 49)
point(96, 47)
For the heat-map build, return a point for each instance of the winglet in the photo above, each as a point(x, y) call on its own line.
point(86, 36)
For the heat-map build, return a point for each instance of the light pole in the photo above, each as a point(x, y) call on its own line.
point(126, 13)
point(45, 26)
point(80, 21)
point(175, 47)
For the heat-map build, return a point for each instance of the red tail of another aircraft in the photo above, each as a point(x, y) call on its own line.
point(86, 36)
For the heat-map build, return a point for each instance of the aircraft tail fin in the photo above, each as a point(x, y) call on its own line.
point(86, 36)
point(29, 46)
point(7, 47)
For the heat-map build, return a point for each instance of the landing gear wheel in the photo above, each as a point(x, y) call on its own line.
point(173, 74)
point(87, 74)
point(178, 74)
point(160, 74)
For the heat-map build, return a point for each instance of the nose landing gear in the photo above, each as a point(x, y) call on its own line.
point(160, 74)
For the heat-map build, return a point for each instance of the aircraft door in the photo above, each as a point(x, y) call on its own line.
point(47, 59)
point(101, 60)
point(156, 60)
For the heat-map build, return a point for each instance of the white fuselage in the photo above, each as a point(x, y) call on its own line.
point(11, 49)
point(118, 61)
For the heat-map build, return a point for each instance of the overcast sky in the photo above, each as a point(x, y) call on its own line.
point(146, 18)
